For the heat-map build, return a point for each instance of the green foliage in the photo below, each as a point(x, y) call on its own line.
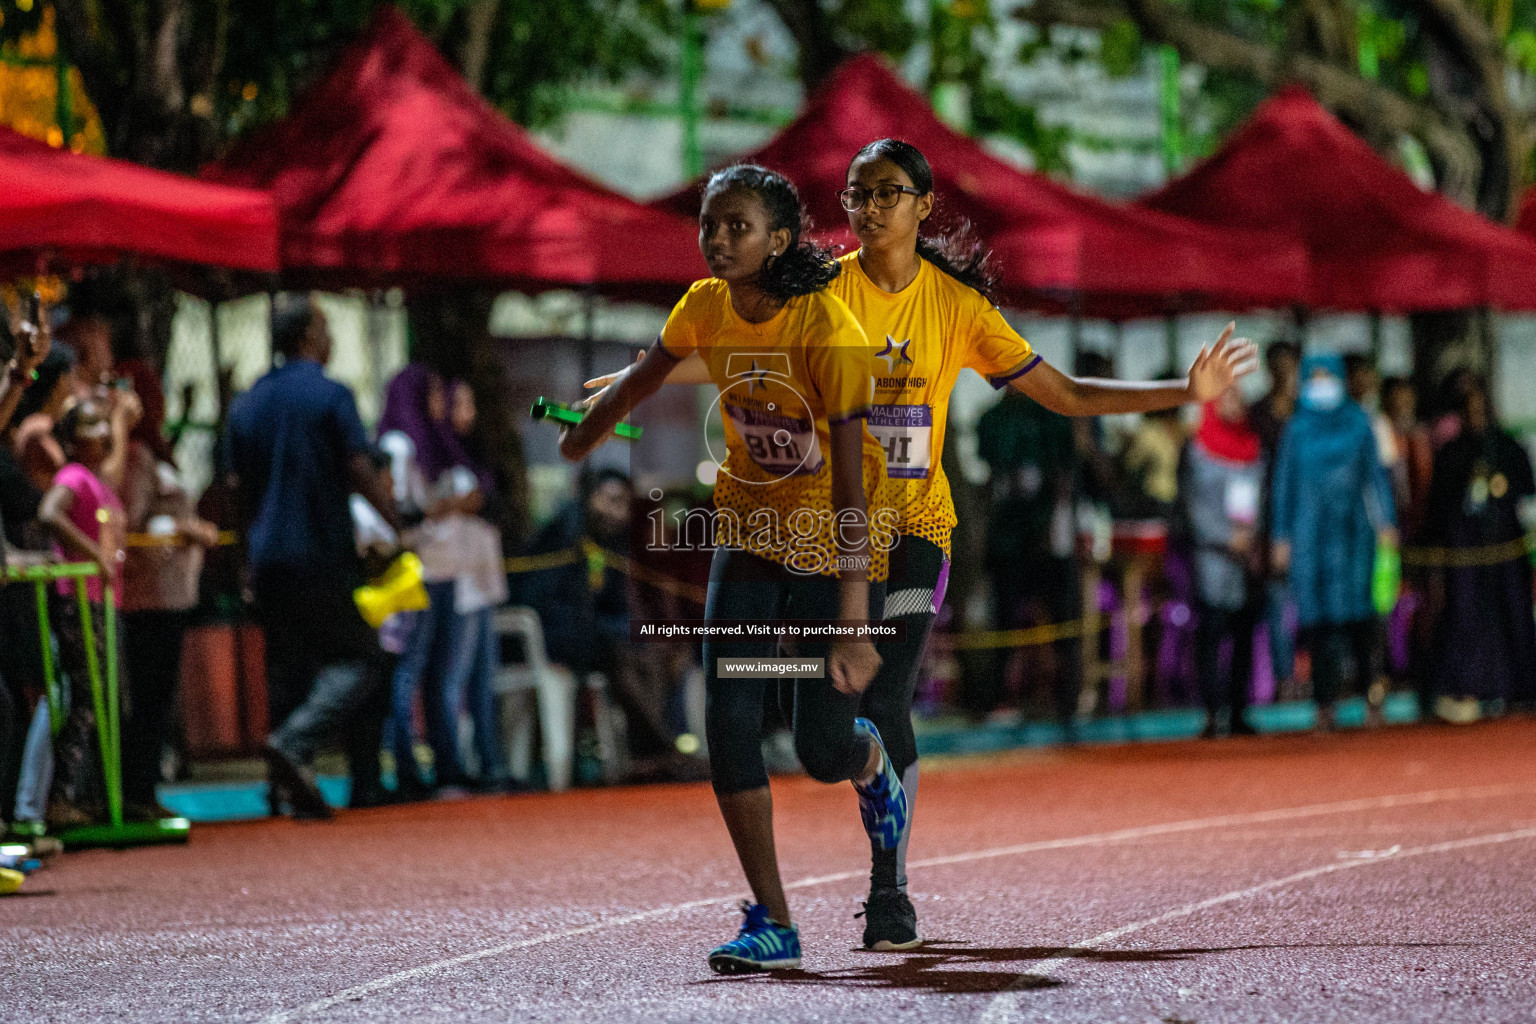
point(540, 49)
point(1120, 49)
point(994, 112)
point(272, 49)
point(882, 25)
point(1521, 49)
point(16, 20)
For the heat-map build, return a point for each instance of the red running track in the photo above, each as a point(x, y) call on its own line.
point(1386, 876)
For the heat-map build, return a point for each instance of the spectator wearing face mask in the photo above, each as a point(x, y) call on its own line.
point(1332, 502)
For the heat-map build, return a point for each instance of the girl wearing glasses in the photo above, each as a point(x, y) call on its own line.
point(793, 369)
point(924, 301)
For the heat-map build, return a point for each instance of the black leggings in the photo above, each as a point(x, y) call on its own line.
point(1212, 626)
point(919, 574)
point(743, 586)
point(1328, 643)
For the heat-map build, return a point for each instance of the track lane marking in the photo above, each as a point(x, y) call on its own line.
point(1004, 1007)
point(359, 992)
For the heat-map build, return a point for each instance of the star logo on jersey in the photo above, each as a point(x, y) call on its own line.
point(894, 354)
point(755, 378)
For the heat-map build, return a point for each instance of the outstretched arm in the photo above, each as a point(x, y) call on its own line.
point(1213, 372)
point(691, 370)
point(633, 385)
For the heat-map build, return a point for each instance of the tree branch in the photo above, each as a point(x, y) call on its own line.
point(475, 47)
point(94, 59)
point(819, 51)
point(1337, 88)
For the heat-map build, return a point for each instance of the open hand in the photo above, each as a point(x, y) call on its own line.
point(605, 382)
point(1217, 367)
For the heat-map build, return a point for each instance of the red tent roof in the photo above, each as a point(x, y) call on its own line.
point(1050, 241)
point(1527, 224)
point(391, 170)
point(57, 206)
point(1377, 241)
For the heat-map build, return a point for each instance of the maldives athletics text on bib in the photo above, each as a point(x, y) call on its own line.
point(906, 434)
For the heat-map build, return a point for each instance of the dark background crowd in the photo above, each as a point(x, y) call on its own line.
point(1321, 540)
point(1320, 537)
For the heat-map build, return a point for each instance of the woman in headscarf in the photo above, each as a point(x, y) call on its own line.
point(1486, 638)
point(450, 655)
point(1220, 476)
point(1332, 504)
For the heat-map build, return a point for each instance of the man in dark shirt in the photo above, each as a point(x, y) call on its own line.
point(297, 450)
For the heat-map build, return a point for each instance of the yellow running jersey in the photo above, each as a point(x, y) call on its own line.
point(782, 383)
point(923, 336)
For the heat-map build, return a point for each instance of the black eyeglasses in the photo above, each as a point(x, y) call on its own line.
point(885, 196)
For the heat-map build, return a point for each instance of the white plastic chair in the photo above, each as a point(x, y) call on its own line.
point(549, 687)
point(552, 688)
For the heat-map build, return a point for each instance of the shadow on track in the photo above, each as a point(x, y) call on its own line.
point(957, 968)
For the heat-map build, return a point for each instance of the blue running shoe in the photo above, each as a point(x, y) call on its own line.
point(882, 801)
point(762, 945)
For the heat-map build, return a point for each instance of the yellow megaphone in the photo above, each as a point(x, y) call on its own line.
point(399, 590)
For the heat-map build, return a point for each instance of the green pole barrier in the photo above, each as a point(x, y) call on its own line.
point(104, 696)
point(50, 679)
point(113, 764)
point(98, 700)
point(1169, 108)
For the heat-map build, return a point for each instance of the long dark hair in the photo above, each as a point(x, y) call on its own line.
point(957, 252)
point(804, 267)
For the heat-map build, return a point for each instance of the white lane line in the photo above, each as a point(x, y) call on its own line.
point(1004, 1007)
point(358, 992)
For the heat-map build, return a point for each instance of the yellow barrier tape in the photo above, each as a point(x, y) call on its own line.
point(1033, 636)
point(644, 574)
point(971, 640)
point(534, 563)
point(1470, 558)
point(588, 552)
point(227, 538)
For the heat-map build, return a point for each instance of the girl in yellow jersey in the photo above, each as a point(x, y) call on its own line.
point(793, 537)
point(924, 302)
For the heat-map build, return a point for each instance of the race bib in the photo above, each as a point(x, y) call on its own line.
point(781, 445)
point(906, 434)
point(1242, 500)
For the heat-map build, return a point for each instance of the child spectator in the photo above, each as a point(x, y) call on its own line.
point(85, 519)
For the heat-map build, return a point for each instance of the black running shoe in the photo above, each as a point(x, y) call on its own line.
point(890, 922)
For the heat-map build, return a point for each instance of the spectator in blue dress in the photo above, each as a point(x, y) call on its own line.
point(1332, 503)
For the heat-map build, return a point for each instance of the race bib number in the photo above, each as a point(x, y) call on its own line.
point(906, 434)
point(782, 445)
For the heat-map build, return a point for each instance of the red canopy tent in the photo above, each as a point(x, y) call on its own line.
point(1527, 223)
point(1377, 241)
point(58, 207)
point(392, 171)
point(1053, 244)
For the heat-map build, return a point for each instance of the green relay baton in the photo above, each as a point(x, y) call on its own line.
point(544, 409)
